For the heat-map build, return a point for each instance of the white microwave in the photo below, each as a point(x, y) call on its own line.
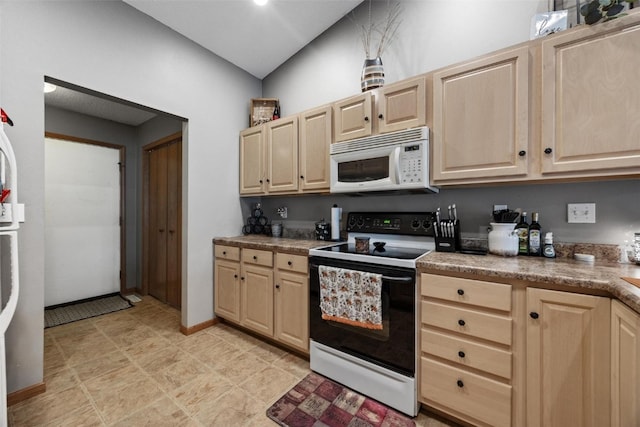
point(387, 162)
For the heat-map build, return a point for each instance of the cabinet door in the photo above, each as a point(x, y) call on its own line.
point(257, 299)
point(282, 155)
point(315, 139)
point(158, 172)
point(625, 366)
point(402, 106)
point(481, 119)
point(252, 160)
point(353, 117)
point(568, 379)
point(591, 100)
point(292, 309)
point(174, 225)
point(227, 289)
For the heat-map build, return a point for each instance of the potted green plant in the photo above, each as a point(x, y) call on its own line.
point(605, 10)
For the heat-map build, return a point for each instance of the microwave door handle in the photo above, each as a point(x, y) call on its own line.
point(395, 165)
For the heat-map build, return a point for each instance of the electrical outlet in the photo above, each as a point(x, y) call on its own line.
point(581, 213)
point(283, 212)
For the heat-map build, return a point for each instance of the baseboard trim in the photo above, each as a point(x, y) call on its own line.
point(197, 328)
point(26, 393)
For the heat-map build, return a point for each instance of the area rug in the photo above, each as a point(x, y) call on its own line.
point(318, 401)
point(72, 312)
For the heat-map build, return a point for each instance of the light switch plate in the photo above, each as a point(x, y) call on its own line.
point(581, 213)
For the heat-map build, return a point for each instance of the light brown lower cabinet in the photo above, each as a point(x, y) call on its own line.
point(568, 359)
point(465, 343)
point(625, 366)
point(493, 354)
point(265, 292)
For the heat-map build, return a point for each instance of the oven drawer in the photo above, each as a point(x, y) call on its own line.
point(293, 263)
point(257, 257)
point(467, 353)
point(466, 291)
point(232, 253)
point(473, 395)
point(477, 324)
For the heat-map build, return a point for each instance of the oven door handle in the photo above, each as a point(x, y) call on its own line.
point(398, 279)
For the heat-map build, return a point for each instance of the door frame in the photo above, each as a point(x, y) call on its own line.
point(123, 223)
point(146, 149)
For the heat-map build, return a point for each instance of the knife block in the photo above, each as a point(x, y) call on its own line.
point(447, 236)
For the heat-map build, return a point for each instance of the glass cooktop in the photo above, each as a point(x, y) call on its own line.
point(385, 252)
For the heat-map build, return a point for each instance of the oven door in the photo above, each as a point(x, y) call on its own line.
point(372, 169)
point(392, 347)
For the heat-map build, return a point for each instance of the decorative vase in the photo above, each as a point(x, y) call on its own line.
point(372, 74)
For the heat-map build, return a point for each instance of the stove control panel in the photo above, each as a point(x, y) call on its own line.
point(409, 223)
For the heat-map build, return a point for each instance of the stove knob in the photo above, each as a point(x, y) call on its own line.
point(415, 224)
point(360, 222)
point(426, 224)
point(352, 221)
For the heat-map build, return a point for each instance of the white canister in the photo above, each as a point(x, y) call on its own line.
point(503, 239)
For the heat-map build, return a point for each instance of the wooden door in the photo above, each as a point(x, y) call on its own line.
point(353, 117)
point(481, 119)
point(158, 223)
point(315, 139)
point(591, 100)
point(625, 366)
point(402, 106)
point(568, 355)
point(252, 160)
point(162, 220)
point(282, 155)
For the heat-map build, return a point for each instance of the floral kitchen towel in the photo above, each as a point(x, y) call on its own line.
point(351, 297)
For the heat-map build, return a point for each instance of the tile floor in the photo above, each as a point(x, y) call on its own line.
point(134, 368)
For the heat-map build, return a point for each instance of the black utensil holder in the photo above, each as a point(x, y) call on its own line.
point(447, 236)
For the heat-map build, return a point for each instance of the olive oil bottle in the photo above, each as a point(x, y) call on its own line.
point(535, 246)
point(522, 230)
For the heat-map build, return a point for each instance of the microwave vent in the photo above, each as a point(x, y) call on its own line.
point(382, 140)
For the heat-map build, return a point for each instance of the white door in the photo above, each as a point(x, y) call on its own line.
point(82, 221)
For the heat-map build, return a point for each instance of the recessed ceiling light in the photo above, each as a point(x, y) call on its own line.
point(48, 87)
point(260, 2)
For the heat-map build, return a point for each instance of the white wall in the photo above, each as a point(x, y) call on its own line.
point(432, 34)
point(109, 47)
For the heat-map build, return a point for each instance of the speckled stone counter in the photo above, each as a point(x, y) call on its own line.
point(281, 244)
point(559, 271)
point(563, 272)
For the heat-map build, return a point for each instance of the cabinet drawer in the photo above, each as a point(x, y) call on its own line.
point(466, 291)
point(467, 353)
point(257, 257)
point(288, 262)
point(231, 253)
point(478, 397)
point(468, 322)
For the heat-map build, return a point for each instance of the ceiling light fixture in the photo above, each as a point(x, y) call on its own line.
point(48, 87)
point(260, 2)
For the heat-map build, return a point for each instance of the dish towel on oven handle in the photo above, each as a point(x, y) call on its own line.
point(351, 297)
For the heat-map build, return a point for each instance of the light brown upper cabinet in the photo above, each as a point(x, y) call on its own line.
point(282, 155)
point(252, 161)
point(591, 100)
point(481, 118)
point(315, 137)
point(394, 107)
point(353, 117)
point(401, 105)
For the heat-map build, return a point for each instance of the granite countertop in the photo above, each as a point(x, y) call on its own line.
point(566, 272)
point(282, 244)
point(559, 271)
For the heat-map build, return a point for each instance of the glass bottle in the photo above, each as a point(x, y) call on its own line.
point(535, 247)
point(522, 230)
